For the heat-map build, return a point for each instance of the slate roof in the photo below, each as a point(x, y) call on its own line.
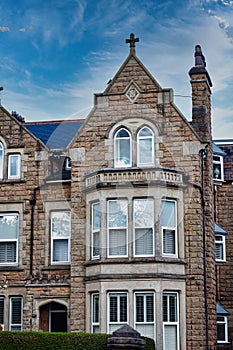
point(217, 150)
point(221, 310)
point(55, 134)
point(219, 230)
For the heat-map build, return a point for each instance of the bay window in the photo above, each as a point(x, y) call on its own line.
point(117, 228)
point(169, 228)
point(60, 237)
point(9, 231)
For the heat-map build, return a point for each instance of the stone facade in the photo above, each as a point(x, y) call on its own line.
point(161, 282)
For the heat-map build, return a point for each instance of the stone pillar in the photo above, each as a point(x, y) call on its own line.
point(125, 338)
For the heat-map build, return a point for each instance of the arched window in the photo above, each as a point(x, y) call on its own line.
point(1, 160)
point(122, 149)
point(145, 145)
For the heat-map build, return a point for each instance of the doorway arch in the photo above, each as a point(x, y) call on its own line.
point(53, 317)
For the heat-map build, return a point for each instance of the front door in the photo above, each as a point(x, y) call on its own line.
point(53, 318)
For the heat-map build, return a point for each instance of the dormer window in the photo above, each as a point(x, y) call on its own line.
point(122, 148)
point(218, 167)
point(220, 246)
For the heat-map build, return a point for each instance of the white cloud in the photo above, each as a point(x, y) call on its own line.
point(4, 29)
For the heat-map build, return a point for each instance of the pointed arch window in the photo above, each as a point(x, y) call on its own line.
point(1, 160)
point(122, 148)
point(145, 143)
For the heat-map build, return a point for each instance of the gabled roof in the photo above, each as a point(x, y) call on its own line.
point(55, 134)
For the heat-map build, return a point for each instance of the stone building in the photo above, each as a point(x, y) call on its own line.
point(112, 220)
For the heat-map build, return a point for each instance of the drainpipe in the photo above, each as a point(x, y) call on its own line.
point(32, 203)
point(203, 153)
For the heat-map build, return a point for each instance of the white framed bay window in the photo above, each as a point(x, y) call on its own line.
point(9, 232)
point(169, 228)
point(143, 211)
point(60, 237)
point(95, 313)
point(95, 227)
point(117, 310)
point(144, 313)
point(170, 321)
point(117, 227)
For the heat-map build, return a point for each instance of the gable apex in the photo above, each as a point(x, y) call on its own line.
point(131, 69)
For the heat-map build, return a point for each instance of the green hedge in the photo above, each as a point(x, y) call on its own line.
point(57, 341)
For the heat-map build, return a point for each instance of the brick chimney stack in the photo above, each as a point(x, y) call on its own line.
point(201, 92)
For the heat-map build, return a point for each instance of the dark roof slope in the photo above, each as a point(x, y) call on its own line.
point(55, 134)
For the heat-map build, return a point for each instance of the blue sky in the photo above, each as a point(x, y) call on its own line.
point(56, 54)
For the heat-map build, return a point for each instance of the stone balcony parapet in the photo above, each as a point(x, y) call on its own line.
point(134, 176)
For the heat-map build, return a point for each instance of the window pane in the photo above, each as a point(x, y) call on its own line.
point(221, 332)
point(139, 308)
point(60, 222)
point(7, 252)
point(145, 132)
point(150, 308)
point(123, 308)
point(219, 251)
point(8, 226)
point(1, 161)
point(95, 313)
point(143, 212)
point(96, 216)
point(145, 151)
point(170, 337)
point(122, 148)
point(14, 165)
point(117, 213)
point(60, 250)
point(16, 314)
point(117, 242)
point(113, 309)
point(168, 214)
point(143, 242)
point(96, 244)
point(169, 241)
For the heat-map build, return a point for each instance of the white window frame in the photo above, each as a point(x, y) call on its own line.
point(11, 240)
point(114, 325)
point(95, 314)
point(53, 239)
point(139, 138)
point(1, 160)
point(224, 322)
point(169, 323)
point(95, 231)
point(117, 162)
point(165, 228)
point(222, 243)
point(218, 162)
point(20, 324)
point(143, 227)
point(122, 228)
point(143, 326)
point(18, 166)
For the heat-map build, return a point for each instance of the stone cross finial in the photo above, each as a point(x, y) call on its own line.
point(132, 40)
point(199, 57)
